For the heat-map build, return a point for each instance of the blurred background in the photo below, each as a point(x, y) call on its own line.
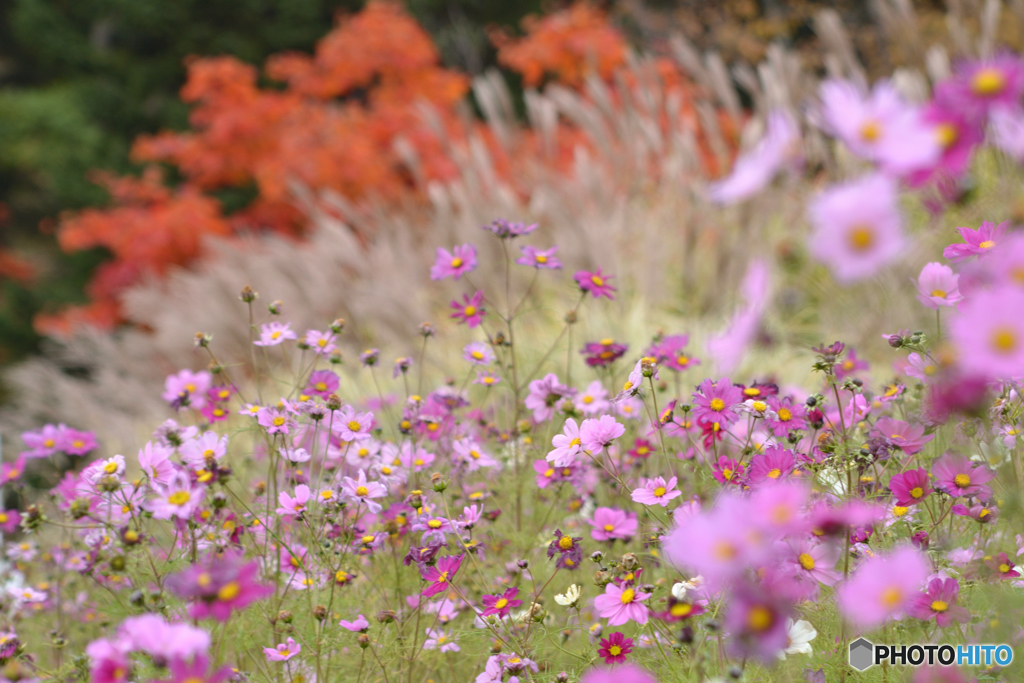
point(155, 156)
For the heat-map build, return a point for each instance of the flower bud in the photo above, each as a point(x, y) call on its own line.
point(427, 330)
point(338, 326)
point(386, 616)
point(333, 402)
point(248, 295)
point(320, 612)
point(629, 562)
point(202, 339)
point(285, 616)
point(363, 640)
point(275, 307)
point(602, 578)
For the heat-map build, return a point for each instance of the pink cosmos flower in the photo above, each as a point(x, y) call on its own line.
point(538, 258)
point(938, 285)
point(155, 461)
point(440, 575)
point(195, 671)
point(910, 487)
point(478, 353)
point(657, 492)
point(461, 259)
point(292, 506)
point(162, 640)
point(10, 520)
point(44, 443)
point(204, 450)
point(938, 601)
point(566, 446)
point(545, 394)
point(600, 353)
point(957, 134)
point(958, 476)
point(756, 620)
point(979, 85)
point(471, 311)
point(611, 523)
point(596, 434)
point(716, 402)
point(187, 385)
point(908, 438)
point(754, 169)
point(321, 343)
point(283, 652)
point(625, 673)
point(12, 471)
point(177, 498)
point(811, 564)
point(275, 421)
point(728, 471)
point(486, 378)
point(219, 585)
point(595, 282)
point(976, 242)
point(502, 604)
point(920, 367)
point(358, 625)
point(473, 455)
point(322, 383)
point(615, 647)
point(883, 586)
point(670, 351)
point(437, 639)
point(593, 400)
point(621, 604)
point(880, 127)
point(362, 491)
point(857, 227)
point(989, 333)
point(352, 426)
point(774, 464)
point(272, 334)
point(785, 416)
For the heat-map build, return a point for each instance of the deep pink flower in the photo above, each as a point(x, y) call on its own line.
point(715, 403)
point(857, 227)
point(958, 476)
point(196, 671)
point(883, 586)
point(461, 259)
point(595, 282)
point(611, 523)
point(539, 258)
point(979, 85)
point(440, 575)
point(10, 520)
point(78, 442)
point(976, 242)
point(938, 285)
point(501, 604)
point(670, 352)
point(322, 383)
point(626, 673)
point(471, 311)
point(622, 604)
point(774, 464)
point(601, 353)
point(728, 471)
point(177, 498)
point(910, 487)
point(219, 585)
point(907, 437)
point(785, 415)
point(938, 601)
point(989, 333)
point(44, 443)
point(615, 647)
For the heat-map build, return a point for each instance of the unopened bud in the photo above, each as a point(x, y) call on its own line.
point(427, 330)
point(285, 616)
point(320, 612)
point(248, 295)
point(202, 339)
point(275, 307)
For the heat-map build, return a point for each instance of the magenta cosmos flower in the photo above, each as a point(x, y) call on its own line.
point(176, 498)
point(501, 604)
point(539, 258)
point(622, 604)
point(938, 601)
point(322, 383)
point(627, 673)
point(774, 464)
point(283, 652)
point(715, 403)
point(461, 259)
point(976, 242)
point(615, 647)
point(937, 286)
point(544, 396)
point(440, 575)
point(196, 671)
point(883, 586)
point(187, 385)
point(978, 85)
point(754, 169)
point(595, 282)
point(471, 311)
point(907, 437)
point(989, 333)
point(857, 227)
point(601, 353)
point(657, 491)
point(670, 351)
point(910, 487)
point(218, 586)
point(363, 492)
point(958, 476)
point(611, 523)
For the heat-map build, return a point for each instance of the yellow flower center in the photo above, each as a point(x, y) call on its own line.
point(717, 404)
point(179, 498)
point(760, 618)
point(1004, 339)
point(321, 386)
point(988, 82)
point(806, 561)
point(916, 492)
point(681, 609)
point(354, 426)
point(870, 131)
point(985, 512)
point(682, 360)
point(723, 550)
point(362, 491)
point(477, 355)
point(456, 262)
point(962, 480)
point(775, 473)
point(627, 386)
point(940, 293)
point(284, 653)
point(597, 280)
point(947, 135)
point(229, 592)
point(659, 492)
point(587, 400)
point(899, 511)
point(987, 244)
point(627, 596)
point(434, 524)
point(760, 406)
point(469, 310)
point(278, 421)
point(275, 334)
point(939, 606)
point(727, 474)
point(609, 527)
point(110, 467)
point(860, 238)
point(49, 443)
point(541, 258)
point(615, 650)
point(1004, 568)
point(565, 543)
point(502, 603)
point(891, 597)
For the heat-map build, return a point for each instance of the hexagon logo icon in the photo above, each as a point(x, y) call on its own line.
point(862, 654)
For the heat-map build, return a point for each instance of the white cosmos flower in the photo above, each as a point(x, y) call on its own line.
point(570, 597)
point(800, 634)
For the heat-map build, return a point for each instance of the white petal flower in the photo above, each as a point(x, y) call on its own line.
point(800, 634)
point(570, 597)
